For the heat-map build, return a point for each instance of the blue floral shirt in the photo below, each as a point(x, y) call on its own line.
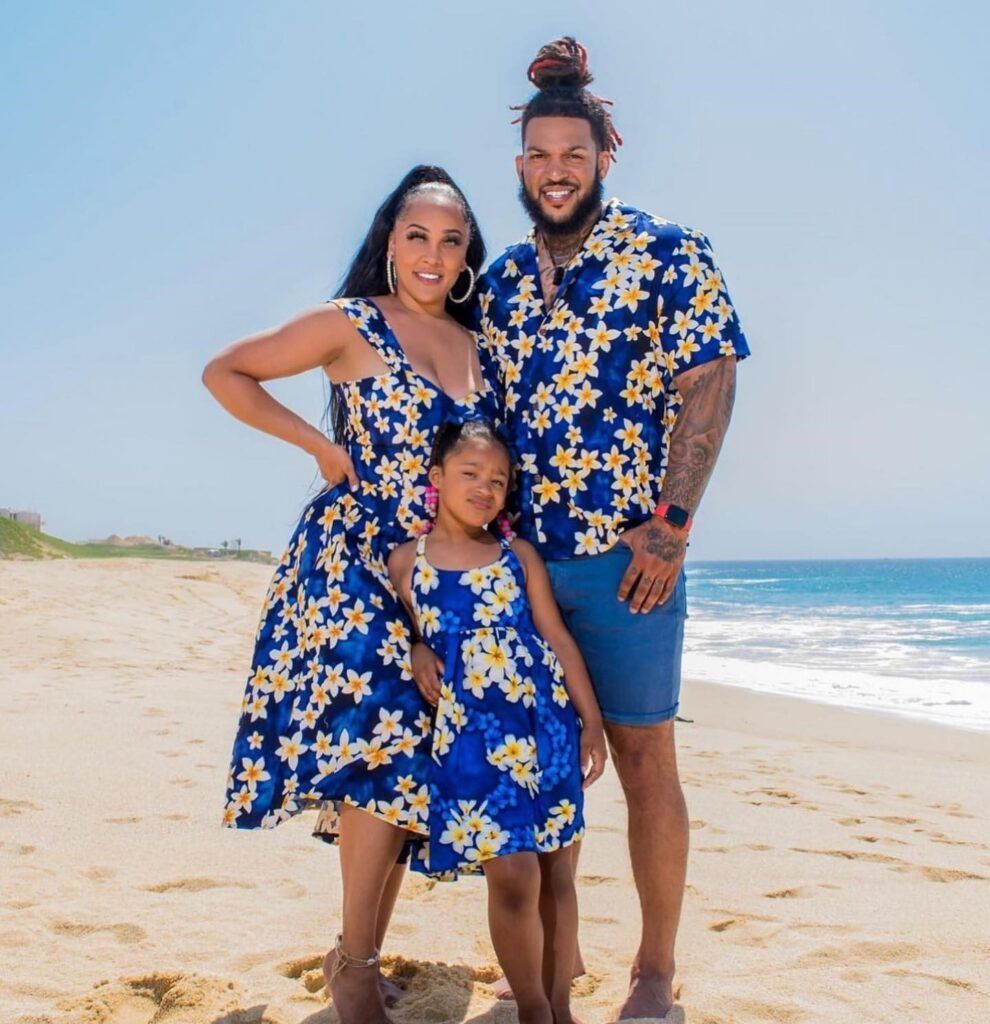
point(588, 384)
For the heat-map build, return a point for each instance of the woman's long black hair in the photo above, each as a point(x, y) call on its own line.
point(366, 275)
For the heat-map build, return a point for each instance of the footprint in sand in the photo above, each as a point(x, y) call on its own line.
point(184, 783)
point(933, 874)
point(125, 933)
point(778, 1013)
point(586, 985)
point(901, 972)
point(721, 926)
point(597, 880)
point(869, 952)
point(941, 837)
point(873, 858)
point(122, 821)
point(308, 970)
point(605, 828)
point(800, 892)
point(98, 874)
point(14, 808)
point(890, 840)
point(416, 885)
point(163, 999)
point(951, 875)
point(754, 930)
point(197, 885)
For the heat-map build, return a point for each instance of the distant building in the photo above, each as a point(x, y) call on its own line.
point(32, 519)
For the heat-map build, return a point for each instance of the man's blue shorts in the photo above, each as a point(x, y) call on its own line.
point(634, 660)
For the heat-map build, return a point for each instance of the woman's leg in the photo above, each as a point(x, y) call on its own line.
point(559, 913)
point(391, 992)
point(368, 851)
point(517, 934)
point(389, 895)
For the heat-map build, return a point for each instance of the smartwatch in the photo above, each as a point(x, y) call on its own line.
point(675, 515)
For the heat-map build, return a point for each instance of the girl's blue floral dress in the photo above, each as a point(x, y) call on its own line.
point(506, 737)
point(331, 713)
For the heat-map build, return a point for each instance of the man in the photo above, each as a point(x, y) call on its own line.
point(616, 344)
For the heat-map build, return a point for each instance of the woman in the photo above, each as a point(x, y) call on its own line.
point(331, 713)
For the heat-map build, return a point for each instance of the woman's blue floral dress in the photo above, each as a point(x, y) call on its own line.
point(506, 738)
point(331, 713)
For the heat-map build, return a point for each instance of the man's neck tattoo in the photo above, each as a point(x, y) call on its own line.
point(562, 248)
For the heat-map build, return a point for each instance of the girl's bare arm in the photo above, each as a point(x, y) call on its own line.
point(546, 618)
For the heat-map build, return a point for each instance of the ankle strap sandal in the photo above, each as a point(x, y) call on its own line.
point(346, 960)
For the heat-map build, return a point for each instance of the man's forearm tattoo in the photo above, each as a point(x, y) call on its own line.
point(699, 431)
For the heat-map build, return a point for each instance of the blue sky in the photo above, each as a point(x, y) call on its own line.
point(179, 175)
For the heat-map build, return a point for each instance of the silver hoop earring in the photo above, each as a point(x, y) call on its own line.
point(467, 294)
point(393, 284)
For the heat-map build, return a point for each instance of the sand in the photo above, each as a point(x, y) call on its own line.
point(840, 866)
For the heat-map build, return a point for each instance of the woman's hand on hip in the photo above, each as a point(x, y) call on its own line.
point(335, 465)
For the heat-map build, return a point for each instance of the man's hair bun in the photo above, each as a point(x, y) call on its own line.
point(561, 64)
point(560, 73)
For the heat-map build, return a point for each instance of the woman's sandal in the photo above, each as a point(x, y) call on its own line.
point(346, 960)
point(391, 993)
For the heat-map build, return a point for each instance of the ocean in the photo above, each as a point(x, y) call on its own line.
point(908, 636)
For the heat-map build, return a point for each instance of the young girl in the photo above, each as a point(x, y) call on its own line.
point(506, 795)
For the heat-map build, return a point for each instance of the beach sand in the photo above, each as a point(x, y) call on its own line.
point(840, 865)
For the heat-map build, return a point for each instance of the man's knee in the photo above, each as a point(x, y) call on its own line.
point(645, 760)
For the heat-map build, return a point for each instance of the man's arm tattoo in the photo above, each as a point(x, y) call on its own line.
point(696, 440)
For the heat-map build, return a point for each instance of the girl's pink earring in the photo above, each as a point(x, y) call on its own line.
point(503, 526)
point(430, 499)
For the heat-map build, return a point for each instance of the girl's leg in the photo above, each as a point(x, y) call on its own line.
point(517, 934)
point(502, 988)
point(558, 910)
point(368, 851)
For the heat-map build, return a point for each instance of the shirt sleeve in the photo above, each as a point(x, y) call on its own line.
point(696, 318)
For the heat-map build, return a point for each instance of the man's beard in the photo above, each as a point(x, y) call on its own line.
point(583, 212)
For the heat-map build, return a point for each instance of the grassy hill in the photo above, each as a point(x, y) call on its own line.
point(20, 541)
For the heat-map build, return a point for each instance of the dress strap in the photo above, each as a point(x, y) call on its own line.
point(368, 321)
